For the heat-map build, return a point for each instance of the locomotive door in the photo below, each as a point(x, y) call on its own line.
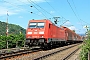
point(50, 30)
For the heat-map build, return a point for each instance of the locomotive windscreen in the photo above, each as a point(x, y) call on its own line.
point(36, 25)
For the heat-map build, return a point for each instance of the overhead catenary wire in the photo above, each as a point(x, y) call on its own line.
point(78, 14)
point(44, 9)
point(20, 7)
point(29, 6)
point(72, 9)
point(50, 5)
point(38, 9)
point(55, 10)
point(41, 7)
point(31, 11)
point(33, 3)
point(12, 4)
point(75, 13)
point(75, 7)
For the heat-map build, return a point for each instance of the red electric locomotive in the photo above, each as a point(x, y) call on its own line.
point(44, 33)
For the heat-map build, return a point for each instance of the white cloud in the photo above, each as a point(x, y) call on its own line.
point(72, 28)
point(20, 17)
point(67, 23)
point(79, 23)
point(22, 2)
point(52, 12)
point(38, 0)
point(14, 6)
point(39, 13)
point(3, 11)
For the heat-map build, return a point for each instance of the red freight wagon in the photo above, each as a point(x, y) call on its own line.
point(71, 35)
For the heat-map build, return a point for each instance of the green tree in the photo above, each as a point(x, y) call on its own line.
point(13, 41)
point(13, 29)
point(85, 47)
point(2, 42)
point(88, 34)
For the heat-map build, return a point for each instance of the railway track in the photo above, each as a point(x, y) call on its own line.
point(63, 54)
point(12, 50)
point(34, 54)
point(73, 55)
point(14, 54)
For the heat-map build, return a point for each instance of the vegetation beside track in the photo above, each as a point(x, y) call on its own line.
point(15, 38)
point(85, 50)
point(13, 41)
point(85, 47)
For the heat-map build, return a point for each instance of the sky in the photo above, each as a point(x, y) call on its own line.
point(74, 14)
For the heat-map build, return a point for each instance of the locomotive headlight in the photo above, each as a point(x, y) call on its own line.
point(42, 32)
point(29, 33)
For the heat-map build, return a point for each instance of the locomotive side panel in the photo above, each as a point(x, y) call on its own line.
point(56, 33)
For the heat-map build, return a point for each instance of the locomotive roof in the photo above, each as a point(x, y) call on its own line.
point(42, 20)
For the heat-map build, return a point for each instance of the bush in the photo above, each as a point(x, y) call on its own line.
point(13, 41)
point(85, 50)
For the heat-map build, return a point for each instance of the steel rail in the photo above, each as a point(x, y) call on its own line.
point(71, 54)
point(47, 55)
point(17, 53)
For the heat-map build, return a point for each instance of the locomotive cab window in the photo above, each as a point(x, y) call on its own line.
point(40, 25)
point(36, 25)
point(32, 25)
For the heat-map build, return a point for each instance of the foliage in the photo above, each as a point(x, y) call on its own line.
point(13, 29)
point(15, 38)
point(2, 42)
point(85, 48)
point(88, 34)
point(13, 41)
